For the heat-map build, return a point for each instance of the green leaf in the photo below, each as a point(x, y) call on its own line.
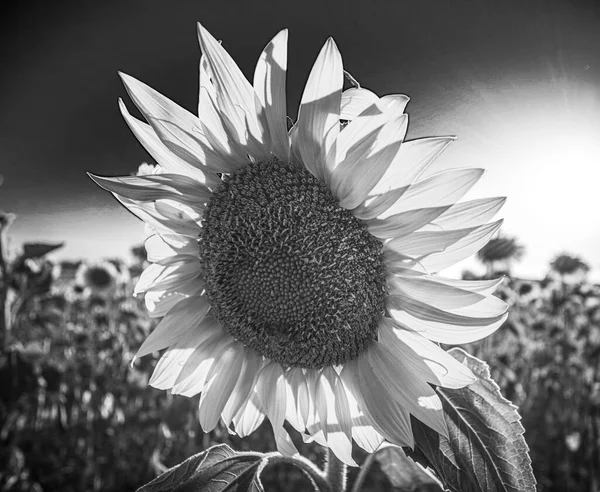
point(403, 473)
point(37, 250)
point(217, 469)
point(486, 450)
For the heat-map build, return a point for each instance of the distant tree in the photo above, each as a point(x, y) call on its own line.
point(499, 253)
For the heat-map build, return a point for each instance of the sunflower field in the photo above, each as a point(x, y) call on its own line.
point(75, 414)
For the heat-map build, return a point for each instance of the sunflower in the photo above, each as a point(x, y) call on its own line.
point(296, 268)
point(97, 277)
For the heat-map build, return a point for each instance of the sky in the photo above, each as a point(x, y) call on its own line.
point(517, 82)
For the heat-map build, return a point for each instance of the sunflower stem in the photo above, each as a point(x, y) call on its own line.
point(336, 472)
point(364, 470)
point(318, 478)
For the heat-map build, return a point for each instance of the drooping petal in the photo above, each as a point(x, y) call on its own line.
point(235, 95)
point(299, 403)
point(272, 393)
point(249, 416)
point(313, 420)
point(387, 416)
point(219, 385)
point(175, 325)
point(334, 414)
point(269, 85)
point(414, 394)
point(318, 119)
point(363, 431)
point(422, 358)
point(252, 364)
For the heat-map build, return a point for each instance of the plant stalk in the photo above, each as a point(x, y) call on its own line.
point(336, 472)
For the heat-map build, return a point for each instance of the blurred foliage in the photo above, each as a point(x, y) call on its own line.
point(546, 359)
point(74, 414)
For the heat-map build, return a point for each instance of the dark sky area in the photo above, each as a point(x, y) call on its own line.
point(464, 63)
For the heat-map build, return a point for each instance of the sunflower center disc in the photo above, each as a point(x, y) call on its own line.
point(288, 271)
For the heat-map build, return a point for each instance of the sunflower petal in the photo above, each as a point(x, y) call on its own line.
point(169, 367)
point(428, 243)
point(318, 119)
point(269, 85)
point(441, 189)
point(217, 130)
point(403, 223)
point(167, 159)
point(252, 364)
point(156, 187)
point(486, 309)
point(249, 417)
point(365, 152)
point(165, 219)
point(160, 302)
point(235, 95)
point(219, 386)
point(157, 248)
point(168, 273)
point(386, 415)
point(483, 287)
point(395, 102)
point(468, 214)
point(355, 101)
point(461, 249)
point(177, 128)
point(453, 327)
point(334, 414)
point(413, 158)
point(375, 205)
point(428, 290)
point(194, 371)
point(298, 412)
point(424, 359)
point(271, 390)
point(172, 327)
point(414, 394)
